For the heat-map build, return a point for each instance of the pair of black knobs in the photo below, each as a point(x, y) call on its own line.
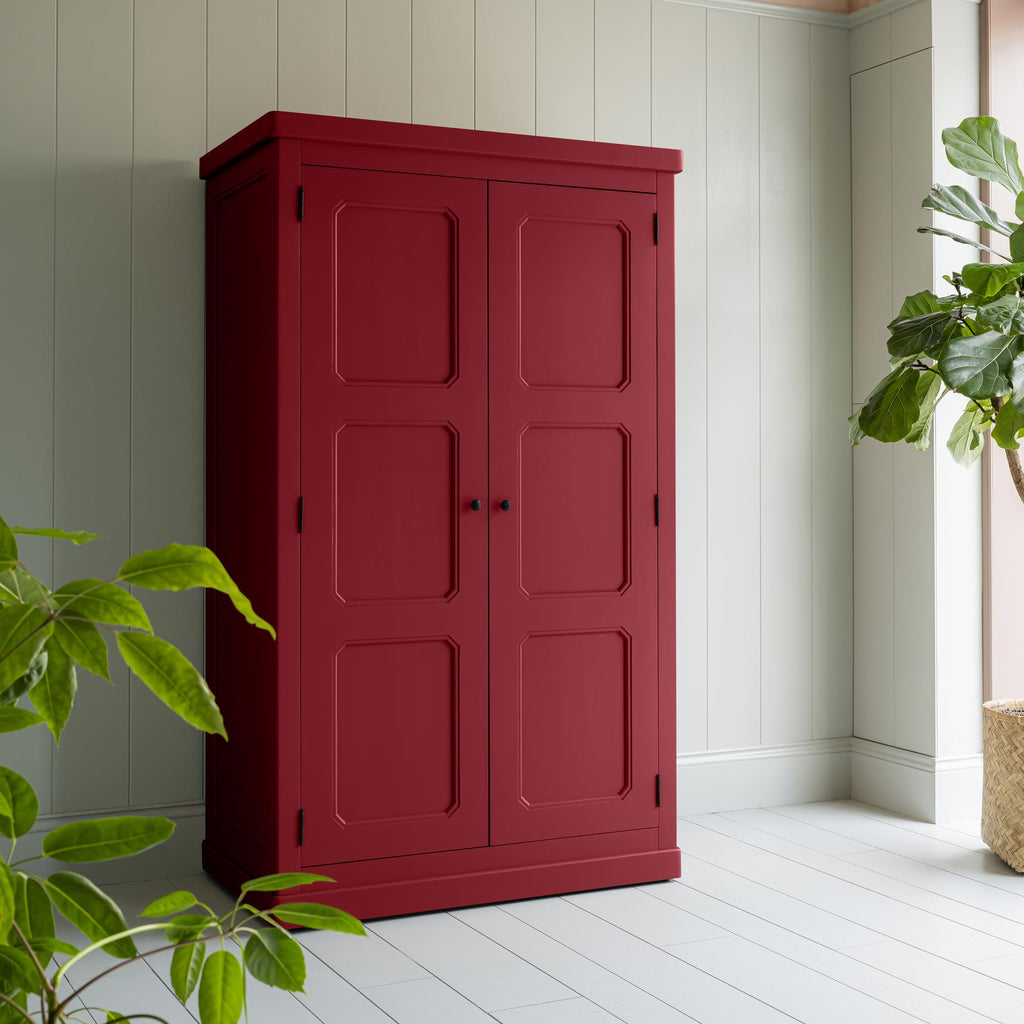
point(476, 504)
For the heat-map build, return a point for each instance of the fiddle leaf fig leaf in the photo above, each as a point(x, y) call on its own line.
point(91, 911)
point(978, 147)
point(914, 336)
point(77, 537)
point(101, 602)
point(105, 838)
point(990, 278)
point(928, 396)
point(967, 437)
point(220, 989)
point(1017, 245)
point(170, 675)
point(1005, 314)
point(183, 566)
point(958, 202)
point(892, 408)
point(972, 242)
point(1016, 375)
point(22, 807)
point(974, 365)
point(24, 628)
point(84, 643)
point(1009, 422)
point(54, 693)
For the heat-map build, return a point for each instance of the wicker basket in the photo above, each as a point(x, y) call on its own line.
point(1002, 800)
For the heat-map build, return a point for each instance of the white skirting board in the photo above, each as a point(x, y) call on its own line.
point(930, 788)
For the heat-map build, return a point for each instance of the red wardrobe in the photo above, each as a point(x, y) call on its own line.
point(440, 461)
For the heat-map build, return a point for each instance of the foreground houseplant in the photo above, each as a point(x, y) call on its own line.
point(43, 635)
point(969, 343)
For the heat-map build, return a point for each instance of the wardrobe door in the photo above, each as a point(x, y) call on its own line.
point(394, 557)
point(573, 441)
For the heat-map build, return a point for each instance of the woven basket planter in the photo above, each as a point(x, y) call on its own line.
point(1002, 800)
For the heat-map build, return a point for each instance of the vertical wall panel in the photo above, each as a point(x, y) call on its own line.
point(241, 65)
point(28, 47)
point(871, 44)
point(505, 65)
point(442, 62)
point(622, 71)
point(679, 117)
point(831, 457)
point(912, 28)
point(92, 351)
point(785, 230)
point(167, 358)
point(379, 65)
point(734, 486)
point(871, 103)
point(311, 56)
point(565, 68)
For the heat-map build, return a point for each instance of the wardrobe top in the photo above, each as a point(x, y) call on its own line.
point(319, 128)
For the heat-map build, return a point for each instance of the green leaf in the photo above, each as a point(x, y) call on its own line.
point(105, 838)
point(967, 438)
point(75, 536)
point(172, 903)
point(928, 397)
point(991, 278)
point(8, 547)
point(186, 964)
point(978, 147)
point(91, 911)
point(22, 686)
point(17, 971)
point(21, 799)
point(220, 990)
point(183, 566)
point(958, 202)
point(855, 429)
point(316, 915)
point(50, 946)
point(102, 602)
point(13, 719)
point(54, 694)
point(972, 242)
point(1017, 245)
point(1005, 315)
point(9, 1015)
point(1016, 379)
point(975, 365)
point(286, 880)
point(168, 673)
point(84, 643)
point(32, 908)
point(8, 895)
point(892, 408)
point(17, 584)
point(186, 927)
point(276, 959)
point(23, 631)
point(914, 336)
point(1009, 422)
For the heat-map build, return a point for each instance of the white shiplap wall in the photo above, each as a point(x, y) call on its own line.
point(105, 108)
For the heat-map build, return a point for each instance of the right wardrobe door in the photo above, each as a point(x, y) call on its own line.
point(573, 479)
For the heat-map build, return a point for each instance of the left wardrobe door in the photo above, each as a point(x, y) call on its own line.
point(394, 556)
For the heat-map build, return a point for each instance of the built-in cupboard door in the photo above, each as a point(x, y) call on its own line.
point(394, 556)
point(574, 697)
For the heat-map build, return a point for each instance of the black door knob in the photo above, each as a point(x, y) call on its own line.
point(505, 505)
point(476, 504)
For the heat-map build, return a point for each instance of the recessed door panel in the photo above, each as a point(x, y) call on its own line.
point(573, 418)
point(394, 558)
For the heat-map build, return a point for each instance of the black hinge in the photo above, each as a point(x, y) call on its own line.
point(301, 202)
point(301, 825)
point(657, 511)
point(657, 233)
point(657, 791)
point(301, 504)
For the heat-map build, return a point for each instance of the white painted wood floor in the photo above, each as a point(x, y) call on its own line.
point(831, 913)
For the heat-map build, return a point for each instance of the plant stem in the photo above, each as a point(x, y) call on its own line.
point(1016, 472)
point(35, 960)
point(103, 942)
point(10, 1002)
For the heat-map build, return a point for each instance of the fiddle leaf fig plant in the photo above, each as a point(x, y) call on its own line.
point(969, 342)
point(45, 636)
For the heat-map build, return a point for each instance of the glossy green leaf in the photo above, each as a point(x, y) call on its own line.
point(32, 908)
point(286, 880)
point(13, 719)
point(929, 393)
point(1005, 315)
point(990, 278)
point(183, 566)
point(972, 242)
point(8, 895)
point(81, 842)
point(20, 687)
point(186, 927)
point(50, 946)
point(9, 1015)
point(975, 365)
point(172, 903)
point(1015, 375)
point(55, 692)
point(915, 336)
point(276, 959)
point(317, 915)
point(1017, 245)
point(220, 990)
point(856, 433)
point(958, 202)
point(75, 536)
point(186, 964)
point(90, 910)
point(20, 797)
point(892, 408)
point(1009, 422)
point(23, 631)
point(102, 602)
point(84, 643)
point(8, 547)
point(17, 970)
point(978, 147)
point(170, 675)
point(18, 584)
point(967, 437)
